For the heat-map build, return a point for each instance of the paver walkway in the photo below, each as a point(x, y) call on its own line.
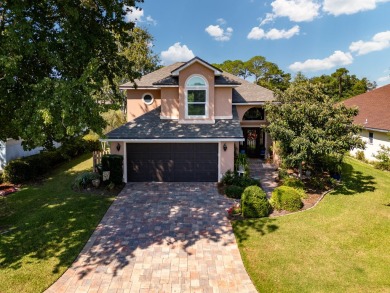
point(161, 237)
point(265, 172)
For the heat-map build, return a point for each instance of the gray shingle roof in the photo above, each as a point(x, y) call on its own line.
point(150, 126)
point(244, 92)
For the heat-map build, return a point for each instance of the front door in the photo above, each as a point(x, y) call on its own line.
point(254, 141)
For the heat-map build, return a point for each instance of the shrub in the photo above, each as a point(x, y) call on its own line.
point(245, 181)
point(35, 166)
point(233, 178)
point(383, 157)
point(360, 156)
point(286, 198)
point(228, 177)
point(84, 180)
point(17, 171)
point(282, 173)
point(234, 191)
point(113, 163)
point(293, 182)
point(254, 203)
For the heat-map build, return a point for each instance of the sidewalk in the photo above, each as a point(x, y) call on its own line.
point(264, 172)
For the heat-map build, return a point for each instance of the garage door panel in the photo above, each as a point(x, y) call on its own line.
point(172, 162)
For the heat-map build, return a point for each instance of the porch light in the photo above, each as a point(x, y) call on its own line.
point(224, 147)
point(118, 147)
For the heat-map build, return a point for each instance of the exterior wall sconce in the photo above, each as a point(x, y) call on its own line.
point(224, 147)
point(118, 147)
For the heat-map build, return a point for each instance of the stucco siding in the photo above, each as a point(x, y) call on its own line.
point(380, 138)
point(223, 103)
point(226, 161)
point(170, 103)
point(136, 107)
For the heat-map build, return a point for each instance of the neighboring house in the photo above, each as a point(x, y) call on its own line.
point(12, 149)
point(374, 115)
point(187, 120)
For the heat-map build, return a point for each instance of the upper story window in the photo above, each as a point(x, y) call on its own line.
point(254, 114)
point(196, 91)
point(148, 99)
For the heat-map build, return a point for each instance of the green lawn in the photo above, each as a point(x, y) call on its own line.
point(48, 227)
point(342, 245)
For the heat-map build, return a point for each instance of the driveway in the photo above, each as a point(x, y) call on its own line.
point(161, 237)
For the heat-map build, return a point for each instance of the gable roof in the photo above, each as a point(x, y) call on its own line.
point(217, 71)
point(243, 91)
point(374, 108)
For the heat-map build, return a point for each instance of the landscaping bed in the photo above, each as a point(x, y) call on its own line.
point(339, 246)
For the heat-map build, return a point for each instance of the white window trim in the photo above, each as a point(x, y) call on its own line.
point(206, 88)
point(143, 100)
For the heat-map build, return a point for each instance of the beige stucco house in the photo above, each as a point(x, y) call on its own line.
point(374, 116)
point(187, 120)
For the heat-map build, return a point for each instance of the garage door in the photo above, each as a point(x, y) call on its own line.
point(172, 162)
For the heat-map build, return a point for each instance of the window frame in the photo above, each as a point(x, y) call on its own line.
point(143, 99)
point(371, 137)
point(197, 88)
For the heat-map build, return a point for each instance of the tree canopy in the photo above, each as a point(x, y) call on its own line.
point(310, 127)
point(55, 58)
point(265, 73)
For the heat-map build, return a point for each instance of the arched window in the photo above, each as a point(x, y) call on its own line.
point(196, 91)
point(254, 114)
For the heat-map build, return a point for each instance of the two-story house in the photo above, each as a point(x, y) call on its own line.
point(186, 121)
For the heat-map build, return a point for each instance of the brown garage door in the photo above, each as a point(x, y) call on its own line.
point(172, 162)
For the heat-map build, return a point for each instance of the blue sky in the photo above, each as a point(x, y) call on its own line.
point(312, 36)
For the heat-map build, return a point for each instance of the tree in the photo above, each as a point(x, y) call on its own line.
point(340, 85)
point(310, 128)
point(266, 74)
point(55, 57)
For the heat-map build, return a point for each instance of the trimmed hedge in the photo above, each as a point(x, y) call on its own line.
point(254, 203)
point(36, 166)
point(286, 198)
point(234, 191)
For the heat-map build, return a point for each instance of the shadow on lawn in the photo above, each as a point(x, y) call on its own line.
point(261, 226)
point(49, 221)
point(354, 182)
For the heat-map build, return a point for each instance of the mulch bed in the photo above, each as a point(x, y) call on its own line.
point(310, 201)
point(6, 189)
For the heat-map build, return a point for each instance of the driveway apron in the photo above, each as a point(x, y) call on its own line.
point(161, 237)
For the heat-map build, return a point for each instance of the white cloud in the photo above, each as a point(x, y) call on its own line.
point(137, 15)
point(295, 10)
point(176, 53)
point(133, 14)
point(221, 21)
point(338, 7)
point(338, 58)
point(218, 33)
point(379, 42)
point(258, 33)
point(150, 20)
point(269, 17)
point(384, 79)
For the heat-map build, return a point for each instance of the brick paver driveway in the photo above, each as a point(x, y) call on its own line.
point(161, 237)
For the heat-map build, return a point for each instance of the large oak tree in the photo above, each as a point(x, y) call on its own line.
point(55, 57)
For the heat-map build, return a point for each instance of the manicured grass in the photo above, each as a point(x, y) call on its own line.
point(342, 245)
point(48, 227)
